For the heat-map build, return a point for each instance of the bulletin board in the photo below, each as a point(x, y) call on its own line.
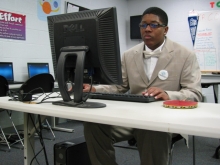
point(70, 7)
point(207, 41)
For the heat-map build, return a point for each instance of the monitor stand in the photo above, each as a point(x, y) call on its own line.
point(80, 53)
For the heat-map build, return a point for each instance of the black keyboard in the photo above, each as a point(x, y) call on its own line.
point(121, 97)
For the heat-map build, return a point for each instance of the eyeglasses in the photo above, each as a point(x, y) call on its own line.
point(152, 25)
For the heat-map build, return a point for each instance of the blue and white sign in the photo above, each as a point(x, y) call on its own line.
point(193, 23)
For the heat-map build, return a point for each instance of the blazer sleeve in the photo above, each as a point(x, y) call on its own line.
point(190, 81)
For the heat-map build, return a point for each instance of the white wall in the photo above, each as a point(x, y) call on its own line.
point(177, 11)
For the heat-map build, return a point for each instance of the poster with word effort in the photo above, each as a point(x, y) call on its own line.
point(12, 25)
point(207, 41)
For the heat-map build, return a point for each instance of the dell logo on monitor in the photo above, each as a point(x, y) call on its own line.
point(73, 28)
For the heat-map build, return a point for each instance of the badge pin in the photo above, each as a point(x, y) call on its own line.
point(163, 74)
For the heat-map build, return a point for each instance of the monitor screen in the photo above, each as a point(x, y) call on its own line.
point(134, 27)
point(37, 68)
point(90, 49)
point(6, 70)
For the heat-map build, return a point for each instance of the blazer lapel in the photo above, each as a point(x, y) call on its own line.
point(138, 58)
point(163, 60)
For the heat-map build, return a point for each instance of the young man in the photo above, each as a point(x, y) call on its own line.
point(157, 67)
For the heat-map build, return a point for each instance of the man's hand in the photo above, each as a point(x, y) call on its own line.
point(86, 88)
point(157, 93)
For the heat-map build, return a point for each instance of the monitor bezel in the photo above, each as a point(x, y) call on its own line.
point(107, 45)
point(87, 13)
point(135, 30)
point(12, 70)
point(37, 63)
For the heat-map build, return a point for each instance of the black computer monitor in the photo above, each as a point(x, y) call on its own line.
point(37, 68)
point(134, 27)
point(6, 70)
point(85, 44)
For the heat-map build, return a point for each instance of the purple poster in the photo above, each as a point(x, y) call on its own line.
point(12, 25)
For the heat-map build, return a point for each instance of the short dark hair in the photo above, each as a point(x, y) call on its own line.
point(159, 12)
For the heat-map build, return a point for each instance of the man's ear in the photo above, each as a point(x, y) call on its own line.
point(166, 30)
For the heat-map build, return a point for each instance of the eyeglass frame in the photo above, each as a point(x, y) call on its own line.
point(150, 24)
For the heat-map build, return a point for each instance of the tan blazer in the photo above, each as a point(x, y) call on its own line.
point(184, 79)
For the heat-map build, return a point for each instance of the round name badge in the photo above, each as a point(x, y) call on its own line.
point(163, 74)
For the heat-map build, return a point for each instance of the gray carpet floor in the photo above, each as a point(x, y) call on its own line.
point(205, 148)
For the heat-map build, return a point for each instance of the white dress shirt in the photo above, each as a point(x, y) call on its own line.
point(150, 63)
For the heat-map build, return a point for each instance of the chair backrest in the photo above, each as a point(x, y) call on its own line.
point(40, 83)
point(3, 86)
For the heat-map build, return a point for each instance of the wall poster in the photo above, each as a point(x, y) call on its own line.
point(47, 8)
point(12, 25)
point(207, 40)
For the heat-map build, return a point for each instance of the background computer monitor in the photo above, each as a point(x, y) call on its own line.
point(6, 70)
point(95, 29)
point(37, 68)
point(134, 27)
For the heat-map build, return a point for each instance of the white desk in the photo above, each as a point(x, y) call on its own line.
point(53, 120)
point(202, 121)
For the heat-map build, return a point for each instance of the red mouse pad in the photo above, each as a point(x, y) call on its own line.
point(180, 104)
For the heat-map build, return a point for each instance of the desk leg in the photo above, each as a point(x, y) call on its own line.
point(28, 140)
point(215, 89)
point(53, 126)
point(194, 150)
point(216, 155)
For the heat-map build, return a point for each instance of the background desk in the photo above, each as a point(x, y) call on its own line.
point(202, 121)
point(211, 79)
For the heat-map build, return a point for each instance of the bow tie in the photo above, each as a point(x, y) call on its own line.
point(148, 54)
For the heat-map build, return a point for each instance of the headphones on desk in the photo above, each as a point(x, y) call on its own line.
point(13, 95)
point(19, 96)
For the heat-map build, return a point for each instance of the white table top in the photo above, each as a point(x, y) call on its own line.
point(201, 121)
